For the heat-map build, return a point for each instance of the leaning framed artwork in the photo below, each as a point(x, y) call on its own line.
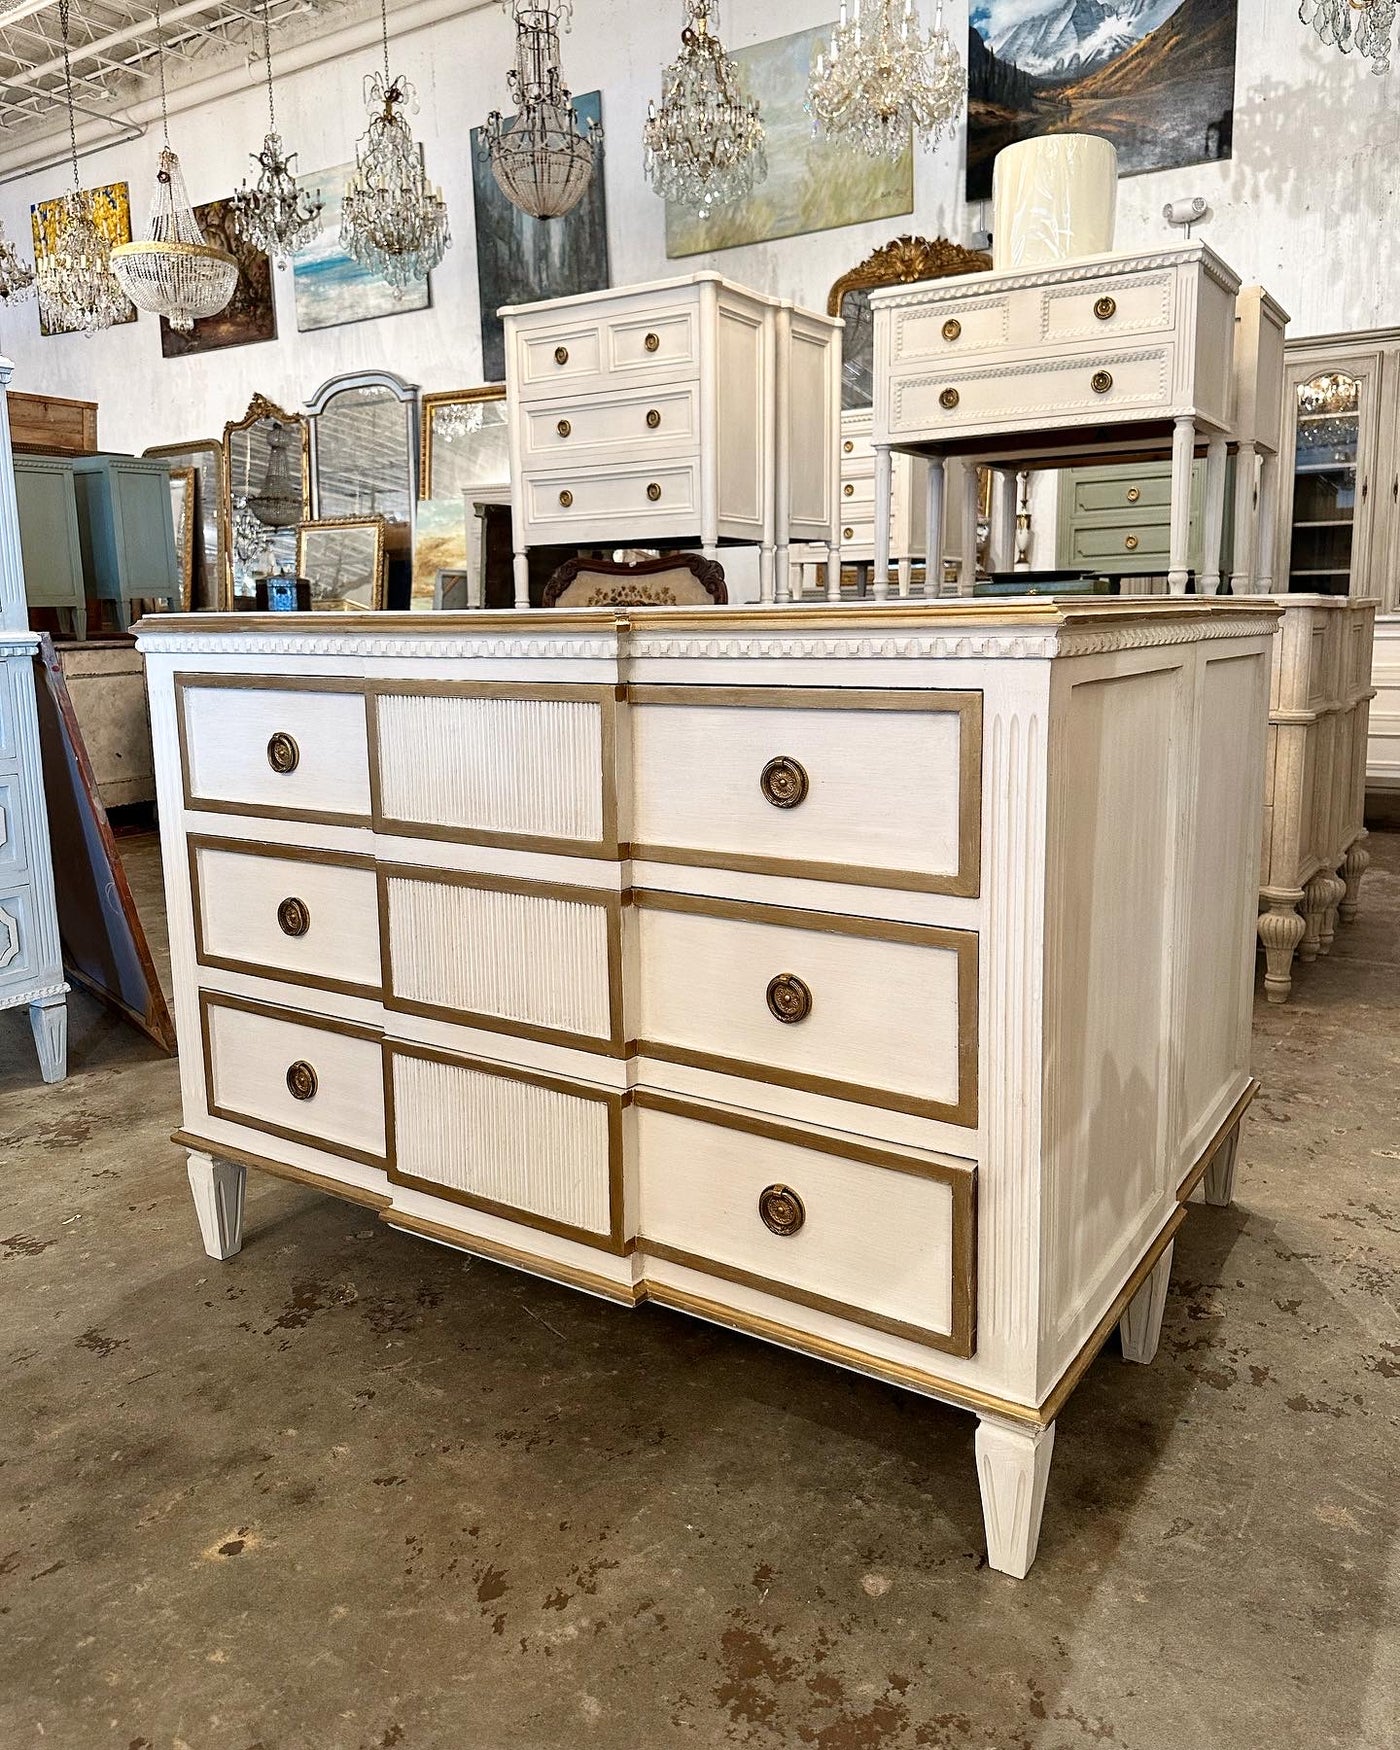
point(250, 314)
point(110, 207)
point(1157, 78)
point(330, 287)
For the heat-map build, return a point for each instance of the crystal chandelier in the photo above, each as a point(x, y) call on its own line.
point(392, 220)
point(275, 215)
point(1348, 24)
point(881, 77)
point(277, 502)
point(544, 159)
point(16, 275)
point(174, 272)
point(74, 275)
point(704, 146)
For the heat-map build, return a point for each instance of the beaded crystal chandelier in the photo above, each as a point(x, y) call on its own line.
point(392, 220)
point(174, 272)
point(1361, 24)
point(881, 77)
point(277, 504)
point(544, 158)
point(74, 275)
point(16, 275)
point(275, 215)
point(704, 146)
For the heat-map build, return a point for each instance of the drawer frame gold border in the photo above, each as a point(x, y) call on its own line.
point(199, 841)
point(612, 902)
point(603, 694)
point(242, 1157)
point(189, 681)
point(965, 881)
point(960, 1340)
point(211, 999)
point(963, 943)
point(615, 1100)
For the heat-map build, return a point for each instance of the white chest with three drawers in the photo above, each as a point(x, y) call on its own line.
point(873, 981)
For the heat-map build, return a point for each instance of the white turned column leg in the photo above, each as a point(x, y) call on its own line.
point(1217, 454)
point(48, 1019)
point(520, 566)
point(833, 573)
point(217, 1188)
point(1013, 1467)
point(1219, 1182)
point(884, 491)
point(1183, 455)
point(1321, 896)
point(1280, 930)
point(1268, 523)
point(782, 574)
point(1245, 558)
point(967, 564)
point(935, 489)
point(1003, 541)
point(1358, 860)
point(1140, 1328)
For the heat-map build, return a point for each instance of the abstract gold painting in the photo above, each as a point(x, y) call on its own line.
point(111, 210)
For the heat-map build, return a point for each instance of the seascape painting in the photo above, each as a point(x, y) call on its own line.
point(439, 544)
point(331, 287)
point(520, 260)
point(249, 315)
point(111, 210)
point(1156, 77)
point(811, 184)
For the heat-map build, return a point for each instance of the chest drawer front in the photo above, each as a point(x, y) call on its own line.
point(856, 1008)
point(19, 944)
point(13, 856)
point(777, 781)
point(565, 499)
point(500, 764)
point(653, 341)
point(883, 1239)
point(256, 1055)
point(309, 917)
point(468, 947)
point(14, 673)
point(947, 332)
point(1031, 395)
point(1138, 494)
point(658, 422)
point(556, 359)
point(1126, 547)
point(530, 1147)
point(1104, 309)
point(299, 751)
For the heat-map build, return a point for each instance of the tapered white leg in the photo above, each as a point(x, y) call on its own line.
point(48, 1019)
point(906, 576)
point(217, 1187)
point(1013, 1467)
point(1219, 1183)
point(1358, 860)
point(1140, 1328)
point(782, 574)
point(520, 566)
point(833, 573)
point(935, 490)
point(1216, 457)
point(1280, 930)
point(1183, 454)
point(884, 487)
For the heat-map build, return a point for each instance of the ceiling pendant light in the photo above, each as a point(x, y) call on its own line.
point(174, 273)
point(704, 146)
point(392, 219)
point(1361, 24)
point(277, 504)
point(544, 159)
point(881, 78)
point(77, 292)
point(16, 275)
point(275, 215)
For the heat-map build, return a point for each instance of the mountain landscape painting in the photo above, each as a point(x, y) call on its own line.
point(1156, 77)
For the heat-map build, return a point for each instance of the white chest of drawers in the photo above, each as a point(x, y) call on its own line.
point(689, 411)
point(776, 964)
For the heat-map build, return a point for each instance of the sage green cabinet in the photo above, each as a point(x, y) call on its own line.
point(127, 531)
point(1117, 518)
point(50, 550)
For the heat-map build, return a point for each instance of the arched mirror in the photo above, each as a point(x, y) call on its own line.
point(266, 479)
point(207, 570)
point(364, 447)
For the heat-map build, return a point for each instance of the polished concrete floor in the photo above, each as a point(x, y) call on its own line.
point(354, 1491)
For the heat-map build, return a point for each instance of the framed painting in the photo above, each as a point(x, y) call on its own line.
point(331, 287)
point(811, 184)
point(250, 315)
point(439, 544)
point(520, 260)
point(1157, 78)
point(111, 211)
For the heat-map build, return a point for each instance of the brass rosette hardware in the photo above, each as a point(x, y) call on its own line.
point(952, 328)
point(561, 355)
point(848, 534)
point(949, 399)
point(283, 754)
point(781, 1210)
point(564, 428)
point(848, 447)
point(301, 1080)
point(849, 490)
point(1134, 494)
point(1131, 543)
point(783, 782)
point(653, 418)
point(566, 498)
point(1106, 309)
point(294, 917)
point(652, 342)
point(789, 998)
point(1101, 382)
point(653, 492)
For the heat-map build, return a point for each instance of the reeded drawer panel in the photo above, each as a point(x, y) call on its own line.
point(647, 492)
point(582, 352)
point(498, 763)
point(657, 421)
point(470, 947)
point(726, 777)
point(19, 947)
point(1031, 394)
point(1104, 309)
point(935, 331)
point(884, 1239)
point(309, 917)
point(533, 1148)
point(855, 1008)
point(293, 1075)
point(292, 750)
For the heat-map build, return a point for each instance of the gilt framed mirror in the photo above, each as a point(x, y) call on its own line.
point(183, 486)
point(343, 560)
point(209, 530)
point(364, 447)
point(464, 446)
point(265, 495)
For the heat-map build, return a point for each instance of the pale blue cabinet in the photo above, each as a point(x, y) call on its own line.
point(48, 537)
point(127, 531)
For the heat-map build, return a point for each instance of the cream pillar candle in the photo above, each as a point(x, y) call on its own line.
point(1053, 199)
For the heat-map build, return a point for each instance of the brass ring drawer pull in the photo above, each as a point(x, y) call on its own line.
point(949, 399)
point(564, 428)
point(653, 418)
point(1101, 382)
point(849, 490)
point(783, 782)
point(848, 447)
point(652, 342)
point(283, 754)
point(1134, 494)
point(566, 498)
point(1131, 543)
point(952, 328)
point(781, 1210)
point(789, 998)
point(848, 534)
point(294, 917)
point(301, 1080)
point(653, 492)
point(1106, 309)
point(561, 355)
